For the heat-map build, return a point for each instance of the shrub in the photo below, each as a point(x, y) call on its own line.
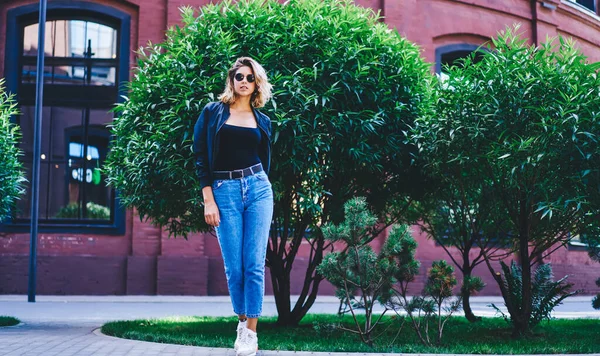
point(346, 89)
point(525, 120)
point(11, 170)
point(546, 293)
point(435, 306)
point(363, 278)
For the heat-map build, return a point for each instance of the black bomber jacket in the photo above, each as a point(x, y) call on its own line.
point(206, 139)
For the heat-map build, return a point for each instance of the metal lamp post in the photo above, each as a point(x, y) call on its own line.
point(37, 143)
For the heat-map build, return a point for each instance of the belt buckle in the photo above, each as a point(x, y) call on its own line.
point(235, 173)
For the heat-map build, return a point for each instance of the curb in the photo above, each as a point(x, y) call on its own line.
point(208, 350)
point(20, 324)
point(98, 332)
point(217, 298)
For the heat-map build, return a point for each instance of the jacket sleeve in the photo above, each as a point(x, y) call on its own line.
point(269, 136)
point(200, 147)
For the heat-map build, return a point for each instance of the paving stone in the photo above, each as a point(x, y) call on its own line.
point(68, 325)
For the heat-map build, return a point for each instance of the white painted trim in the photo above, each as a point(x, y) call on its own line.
point(582, 9)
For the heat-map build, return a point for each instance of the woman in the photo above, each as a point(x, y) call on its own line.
point(232, 147)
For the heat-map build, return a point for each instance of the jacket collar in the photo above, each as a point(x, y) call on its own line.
point(260, 120)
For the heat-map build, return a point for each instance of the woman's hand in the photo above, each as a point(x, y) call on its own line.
point(211, 210)
point(211, 213)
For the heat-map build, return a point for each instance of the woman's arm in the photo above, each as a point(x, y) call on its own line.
point(211, 211)
point(200, 135)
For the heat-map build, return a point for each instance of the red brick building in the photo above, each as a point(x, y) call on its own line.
point(90, 45)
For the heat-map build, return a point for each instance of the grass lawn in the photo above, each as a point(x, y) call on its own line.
point(490, 335)
point(8, 321)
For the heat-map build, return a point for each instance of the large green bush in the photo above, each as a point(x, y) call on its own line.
point(521, 138)
point(346, 88)
point(11, 173)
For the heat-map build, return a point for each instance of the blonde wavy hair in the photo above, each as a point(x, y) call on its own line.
point(262, 92)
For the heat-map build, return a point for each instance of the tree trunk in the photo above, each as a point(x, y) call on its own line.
point(467, 270)
point(466, 292)
point(521, 323)
point(281, 280)
point(281, 291)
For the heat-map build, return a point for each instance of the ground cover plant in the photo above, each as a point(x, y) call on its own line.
point(8, 321)
point(319, 333)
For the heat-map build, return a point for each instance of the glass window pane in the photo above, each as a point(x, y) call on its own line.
point(71, 75)
point(72, 38)
point(589, 4)
point(71, 184)
point(454, 58)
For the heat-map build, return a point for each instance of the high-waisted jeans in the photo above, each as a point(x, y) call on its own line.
point(245, 209)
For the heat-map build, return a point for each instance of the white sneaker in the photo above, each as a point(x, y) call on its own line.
point(248, 345)
point(241, 334)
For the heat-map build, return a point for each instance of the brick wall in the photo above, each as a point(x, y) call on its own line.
point(65, 275)
point(146, 261)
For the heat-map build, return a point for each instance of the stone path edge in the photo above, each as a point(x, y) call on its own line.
point(20, 324)
point(98, 332)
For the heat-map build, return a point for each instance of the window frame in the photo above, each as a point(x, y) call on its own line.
point(17, 19)
point(585, 8)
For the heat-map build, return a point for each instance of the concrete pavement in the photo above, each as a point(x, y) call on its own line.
point(67, 325)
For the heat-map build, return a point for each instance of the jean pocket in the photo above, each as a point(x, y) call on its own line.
point(262, 176)
point(217, 184)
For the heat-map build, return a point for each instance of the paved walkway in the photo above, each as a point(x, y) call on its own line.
point(57, 325)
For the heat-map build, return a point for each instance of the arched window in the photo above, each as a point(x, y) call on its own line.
point(450, 55)
point(86, 61)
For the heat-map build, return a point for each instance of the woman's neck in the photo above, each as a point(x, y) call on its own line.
point(241, 103)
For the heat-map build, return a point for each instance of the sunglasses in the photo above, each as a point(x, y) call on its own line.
point(240, 76)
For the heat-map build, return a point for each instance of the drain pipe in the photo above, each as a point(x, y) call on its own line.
point(534, 21)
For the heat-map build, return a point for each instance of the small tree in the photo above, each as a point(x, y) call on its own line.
point(11, 171)
point(362, 276)
point(439, 287)
point(434, 307)
point(534, 135)
point(346, 89)
point(460, 212)
point(456, 215)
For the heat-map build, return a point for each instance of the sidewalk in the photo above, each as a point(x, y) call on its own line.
point(67, 325)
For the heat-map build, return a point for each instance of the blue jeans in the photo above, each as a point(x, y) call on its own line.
point(245, 209)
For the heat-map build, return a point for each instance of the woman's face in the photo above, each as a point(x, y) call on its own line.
point(244, 81)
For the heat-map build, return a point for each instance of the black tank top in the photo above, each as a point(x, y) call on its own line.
point(238, 147)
